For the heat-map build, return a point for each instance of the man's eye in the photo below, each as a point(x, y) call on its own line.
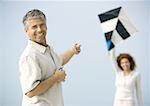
point(34, 27)
point(43, 25)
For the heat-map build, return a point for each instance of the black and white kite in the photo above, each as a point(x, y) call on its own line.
point(116, 26)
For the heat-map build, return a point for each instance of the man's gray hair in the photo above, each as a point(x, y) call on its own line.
point(35, 13)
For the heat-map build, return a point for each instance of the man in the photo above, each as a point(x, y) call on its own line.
point(40, 67)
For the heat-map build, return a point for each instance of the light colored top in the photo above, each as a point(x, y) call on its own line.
point(37, 63)
point(126, 85)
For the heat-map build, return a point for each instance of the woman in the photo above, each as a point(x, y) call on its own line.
point(127, 80)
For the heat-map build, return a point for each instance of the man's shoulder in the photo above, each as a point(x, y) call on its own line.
point(28, 52)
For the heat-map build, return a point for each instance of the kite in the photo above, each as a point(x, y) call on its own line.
point(116, 26)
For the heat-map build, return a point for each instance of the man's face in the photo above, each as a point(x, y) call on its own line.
point(36, 30)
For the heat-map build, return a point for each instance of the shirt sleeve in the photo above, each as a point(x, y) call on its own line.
point(30, 74)
point(138, 90)
point(113, 60)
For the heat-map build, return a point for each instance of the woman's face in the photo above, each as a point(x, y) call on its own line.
point(125, 64)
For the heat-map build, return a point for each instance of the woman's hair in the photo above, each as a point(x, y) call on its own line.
point(127, 56)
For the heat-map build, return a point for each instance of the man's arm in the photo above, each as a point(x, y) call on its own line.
point(66, 56)
point(46, 84)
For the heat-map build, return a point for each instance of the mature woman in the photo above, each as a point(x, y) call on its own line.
point(127, 80)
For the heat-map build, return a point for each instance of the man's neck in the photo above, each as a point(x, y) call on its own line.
point(43, 43)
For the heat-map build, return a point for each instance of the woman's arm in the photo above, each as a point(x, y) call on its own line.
point(113, 60)
point(138, 90)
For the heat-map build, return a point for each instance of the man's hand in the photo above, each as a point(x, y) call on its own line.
point(60, 75)
point(76, 48)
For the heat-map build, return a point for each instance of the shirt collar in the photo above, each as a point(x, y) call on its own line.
point(37, 46)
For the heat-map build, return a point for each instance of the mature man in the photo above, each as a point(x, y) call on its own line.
point(40, 67)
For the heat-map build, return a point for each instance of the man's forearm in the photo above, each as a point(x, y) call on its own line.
point(66, 56)
point(42, 87)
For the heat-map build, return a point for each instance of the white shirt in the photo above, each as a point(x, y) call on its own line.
point(126, 85)
point(37, 63)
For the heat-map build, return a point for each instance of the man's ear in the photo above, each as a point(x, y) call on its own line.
point(25, 29)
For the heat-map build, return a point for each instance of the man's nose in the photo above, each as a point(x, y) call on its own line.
point(39, 29)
